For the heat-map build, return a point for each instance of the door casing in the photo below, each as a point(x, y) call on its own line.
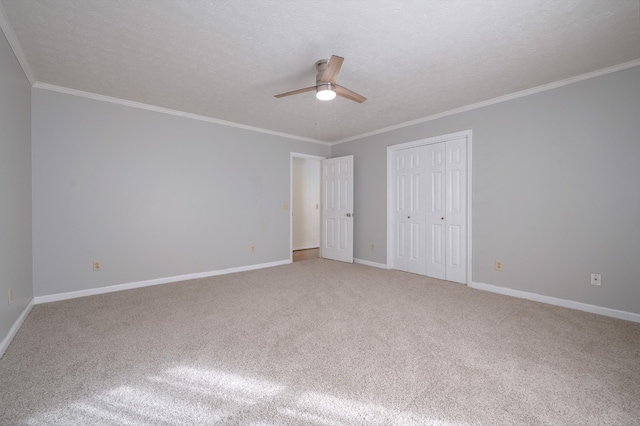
point(291, 157)
point(428, 141)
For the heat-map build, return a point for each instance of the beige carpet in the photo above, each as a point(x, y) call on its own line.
point(318, 343)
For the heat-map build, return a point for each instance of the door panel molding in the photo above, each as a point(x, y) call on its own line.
point(408, 206)
point(337, 211)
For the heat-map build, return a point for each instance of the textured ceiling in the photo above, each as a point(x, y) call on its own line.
point(227, 59)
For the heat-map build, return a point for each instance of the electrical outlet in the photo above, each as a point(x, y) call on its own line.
point(97, 266)
point(373, 247)
point(596, 279)
point(499, 265)
point(252, 249)
point(10, 296)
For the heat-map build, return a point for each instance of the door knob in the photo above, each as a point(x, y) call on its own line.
point(348, 214)
point(408, 217)
point(442, 218)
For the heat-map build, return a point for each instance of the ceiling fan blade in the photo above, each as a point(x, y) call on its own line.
point(349, 94)
point(330, 73)
point(295, 92)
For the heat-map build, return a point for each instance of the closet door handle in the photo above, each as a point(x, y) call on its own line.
point(348, 214)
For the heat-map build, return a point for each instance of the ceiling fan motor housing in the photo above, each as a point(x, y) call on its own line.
point(321, 65)
point(324, 89)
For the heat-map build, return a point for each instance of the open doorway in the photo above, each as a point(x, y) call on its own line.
point(305, 206)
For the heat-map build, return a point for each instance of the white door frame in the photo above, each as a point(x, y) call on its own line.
point(307, 157)
point(428, 141)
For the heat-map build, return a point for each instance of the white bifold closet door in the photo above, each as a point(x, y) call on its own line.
point(430, 232)
point(409, 244)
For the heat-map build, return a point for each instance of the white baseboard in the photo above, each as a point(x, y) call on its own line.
point(119, 287)
point(629, 316)
point(369, 263)
point(306, 247)
point(14, 329)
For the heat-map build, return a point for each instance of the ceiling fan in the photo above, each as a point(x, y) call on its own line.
point(326, 87)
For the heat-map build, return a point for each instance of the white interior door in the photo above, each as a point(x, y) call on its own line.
point(337, 209)
point(409, 210)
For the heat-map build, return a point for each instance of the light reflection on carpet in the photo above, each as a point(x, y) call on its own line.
point(188, 395)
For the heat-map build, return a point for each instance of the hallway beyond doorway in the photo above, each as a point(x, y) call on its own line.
point(312, 253)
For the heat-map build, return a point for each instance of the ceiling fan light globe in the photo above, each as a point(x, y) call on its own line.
point(325, 92)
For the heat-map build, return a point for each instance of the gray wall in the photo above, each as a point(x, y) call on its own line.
point(151, 195)
point(15, 188)
point(556, 193)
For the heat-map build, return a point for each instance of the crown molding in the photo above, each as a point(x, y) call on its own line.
point(15, 46)
point(148, 107)
point(500, 99)
point(505, 98)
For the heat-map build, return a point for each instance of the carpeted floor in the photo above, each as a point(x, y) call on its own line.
point(318, 343)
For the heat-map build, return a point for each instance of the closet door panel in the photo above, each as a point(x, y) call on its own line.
point(456, 208)
point(436, 242)
point(409, 245)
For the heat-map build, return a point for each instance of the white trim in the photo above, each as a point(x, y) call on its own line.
point(313, 246)
point(293, 155)
point(550, 86)
point(389, 208)
point(308, 156)
point(14, 329)
point(167, 280)
point(97, 97)
point(428, 141)
point(468, 134)
point(369, 263)
point(500, 99)
point(7, 29)
point(469, 209)
point(629, 316)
